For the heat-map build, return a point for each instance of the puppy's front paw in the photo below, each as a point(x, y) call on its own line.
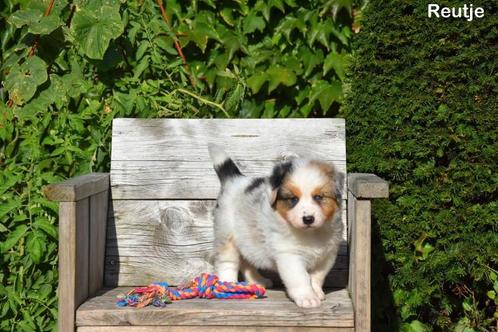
point(306, 299)
point(318, 291)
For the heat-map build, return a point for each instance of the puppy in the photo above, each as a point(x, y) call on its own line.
point(288, 222)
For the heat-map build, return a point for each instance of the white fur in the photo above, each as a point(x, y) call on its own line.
point(250, 235)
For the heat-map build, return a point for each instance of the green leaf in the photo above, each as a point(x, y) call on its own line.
point(226, 15)
point(326, 93)
point(280, 75)
point(466, 305)
point(27, 17)
point(417, 326)
point(256, 81)
point(252, 22)
point(95, 25)
point(336, 61)
point(289, 24)
point(35, 246)
point(232, 42)
point(310, 59)
point(13, 238)
point(491, 294)
point(23, 80)
point(46, 25)
point(46, 226)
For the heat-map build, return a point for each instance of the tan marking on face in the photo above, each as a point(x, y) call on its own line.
point(325, 168)
point(285, 193)
point(328, 204)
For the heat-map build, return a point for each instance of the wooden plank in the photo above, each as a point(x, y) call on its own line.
point(170, 241)
point(73, 260)
point(220, 328)
point(98, 222)
point(275, 310)
point(366, 185)
point(77, 188)
point(360, 261)
point(146, 179)
point(245, 139)
point(168, 158)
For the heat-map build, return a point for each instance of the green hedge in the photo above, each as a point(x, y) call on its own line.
point(66, 76)
point(421, 112)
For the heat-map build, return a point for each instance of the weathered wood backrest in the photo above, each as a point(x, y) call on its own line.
point(164, 188)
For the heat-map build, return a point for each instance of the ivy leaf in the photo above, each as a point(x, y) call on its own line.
point(280, 75)
point(256, 81)
point(23, 80)
point(310, 59)
point(336, 5)
point(252, 22)
point(289, 24)
point(13, 238)
point(94, 26)
point(232, 42)
point(336, 61)
point(326, 93)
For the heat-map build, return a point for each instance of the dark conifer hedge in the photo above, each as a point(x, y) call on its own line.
point(422, 112)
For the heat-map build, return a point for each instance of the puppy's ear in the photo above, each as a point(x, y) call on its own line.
point(279, 173)
point(339, 179)
point(277, 177)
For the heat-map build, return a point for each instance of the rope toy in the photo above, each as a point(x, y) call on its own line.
point(206, 286)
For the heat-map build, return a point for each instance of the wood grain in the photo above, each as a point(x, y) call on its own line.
point(366, 185)
point(77, 188)
point(158, 179)
point(73, 260)
point(168, 158)
point(153, 240)
point(223, 328)
point(360, 261)
point(244, 139)
point(275, 310)
point(98, 223)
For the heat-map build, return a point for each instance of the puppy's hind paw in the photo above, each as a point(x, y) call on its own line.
point(265, 282)
point(262, 281)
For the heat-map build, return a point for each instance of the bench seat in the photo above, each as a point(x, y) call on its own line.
point(276, 310)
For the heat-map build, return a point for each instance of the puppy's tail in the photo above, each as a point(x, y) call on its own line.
point(223, 165)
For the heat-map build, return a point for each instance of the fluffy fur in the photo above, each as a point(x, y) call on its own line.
point(288, 222)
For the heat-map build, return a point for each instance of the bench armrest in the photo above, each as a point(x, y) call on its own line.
point(77, 188)
point(82, 233)
point(367, 185)
point(362, 187)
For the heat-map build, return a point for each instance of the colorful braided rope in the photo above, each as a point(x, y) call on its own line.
point(206, 286)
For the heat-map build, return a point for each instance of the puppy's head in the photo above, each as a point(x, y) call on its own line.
point(306, 193)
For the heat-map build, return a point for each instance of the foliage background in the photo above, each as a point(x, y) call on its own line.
point(68, 69)
point(421, 111)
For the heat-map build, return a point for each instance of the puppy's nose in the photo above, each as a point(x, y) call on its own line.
point(308, 220)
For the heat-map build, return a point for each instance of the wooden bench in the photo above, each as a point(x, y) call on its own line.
point(150, 220)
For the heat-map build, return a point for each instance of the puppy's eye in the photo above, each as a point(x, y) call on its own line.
point(294, 200)
point(318, 198)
